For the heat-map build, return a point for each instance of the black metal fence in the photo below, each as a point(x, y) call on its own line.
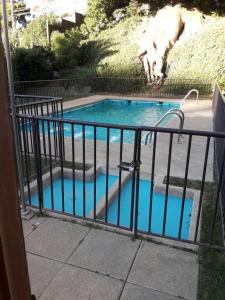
point(116, 183)
point(219, 125)
point(80, 87)
point(37, 106)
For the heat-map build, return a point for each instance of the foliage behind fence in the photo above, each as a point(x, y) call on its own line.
point(80, 87)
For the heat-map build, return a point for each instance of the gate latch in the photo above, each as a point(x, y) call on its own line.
point(128, 166)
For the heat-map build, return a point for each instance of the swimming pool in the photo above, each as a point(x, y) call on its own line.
point(158, 204)
point(118, 112)
point(68, 194)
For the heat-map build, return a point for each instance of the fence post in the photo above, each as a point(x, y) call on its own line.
point(137, 178)
point(37, 159)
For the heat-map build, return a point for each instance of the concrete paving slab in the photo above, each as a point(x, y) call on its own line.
point(56, 239)
point(135, 292)
point(41, 272)
point(74, 283)
point(166, 269)
point(106, 252)
point(31, 225)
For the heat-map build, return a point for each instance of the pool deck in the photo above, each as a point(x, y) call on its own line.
point(197, 116)
point(70, 261)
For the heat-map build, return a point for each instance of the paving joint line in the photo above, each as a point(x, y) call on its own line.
point(161, 292)
point(129, 270)
point(34, 229)
point(95, 272)
point(80, 242)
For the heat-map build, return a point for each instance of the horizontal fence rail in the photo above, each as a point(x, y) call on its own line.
point(39, 105)
point(80, 87)
point(74, 168)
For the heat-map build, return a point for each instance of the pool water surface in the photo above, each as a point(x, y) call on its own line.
point(158, 204)
point(117, 112)
point(68, 194)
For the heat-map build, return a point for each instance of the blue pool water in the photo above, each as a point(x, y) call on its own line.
point(173, 209)
point(118, 112)
point(68, 194)
point(158, 204)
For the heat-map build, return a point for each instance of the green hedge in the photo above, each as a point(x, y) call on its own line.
point(31, 64)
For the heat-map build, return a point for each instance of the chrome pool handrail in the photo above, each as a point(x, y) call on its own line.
point(189, 93)
point(174, 111)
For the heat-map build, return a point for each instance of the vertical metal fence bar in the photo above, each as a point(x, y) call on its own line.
point(167, 183)
point(30, 130)
point(57, 108)
point(47, 108)
point(133, 182)
point(28, 110)
point(19, 122)
point(55, 132)
point(48, 126)
point(59, 102)
point(26, 129)
point(50, 164)
point(152, 182)
point(73, 166)
point(202, 188)
point(137, 171)
point(43, 135)
point(32, 110)
point(120, 174)
point(38, 164)
point(84, 175)
point(61, 107)
point(21, 144)
point(95, 175)
point(60, 131)
point(27, 137)
point(25, 160)
point(185, 185)
point(52, 107)
point(107, 176)
point(36, 110)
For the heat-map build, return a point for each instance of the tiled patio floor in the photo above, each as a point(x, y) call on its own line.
point(70, 261)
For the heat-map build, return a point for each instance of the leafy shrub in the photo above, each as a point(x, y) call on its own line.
point(118, 15)
point(99, 14)
point(35, 34)
point(31, 64)
point(133, 8)
point(206, 6)
point(200, 56)
point(66, 48)
point(118, 51)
